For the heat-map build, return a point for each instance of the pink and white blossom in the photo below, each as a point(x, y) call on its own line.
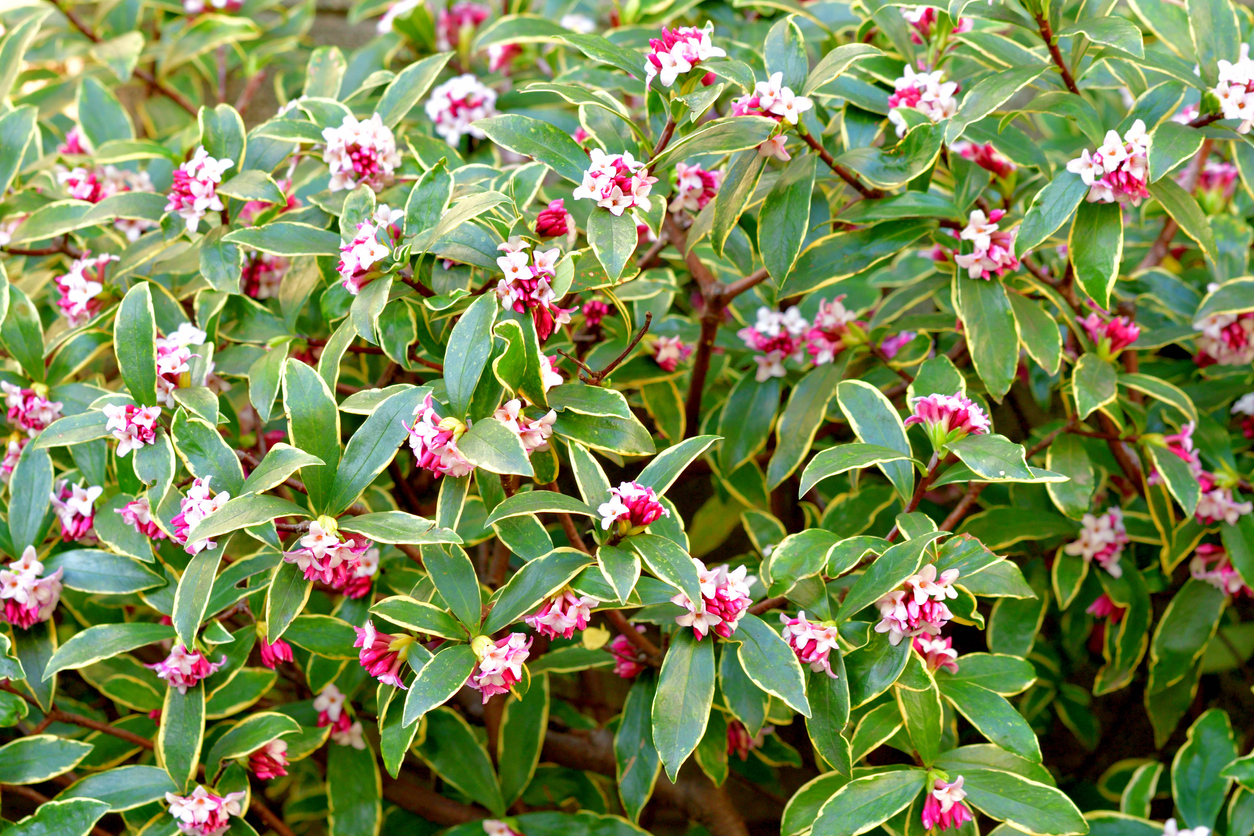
point(944, 807)
point(1110, 335)
point(993, 248)
point(777, 337)
point(835, 328)
point(132, 426)
point(434, 442)
point(273, 653)
point(1217, 503)
point(986, 157)
point(947, 418)
point(462, 17)
point(1235, 89)
point(1226, 339)
point(371, 245)
point(1102, 538)
point(562, 614)
point(30, 410)
point(138, 515)
point(629, 660)
point(616, 182)
point(740, 743)
point(534, 433)
point(812, 641)
point(194, 193)
point(184, 668)
point(679, 51)
point(81, 288)
point(270, 761)
point(1105, 607)
point(199, 503)
point(1116, 172)
point(631, 508)
point(553, 221)
point(500, 663)
point(381, 654)
point(669, 352)
point(326, 557)
point(725, 598)
point(74, 506)
point(360, 152)
point(29, 596)
point(694, 188)
point(527, 287)
point(329, 703)
point(203, 813)
point(937, 653)
point(927, 93)
point(457, 104)
point(918, 606)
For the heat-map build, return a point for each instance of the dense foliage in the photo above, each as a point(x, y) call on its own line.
point(769, 416)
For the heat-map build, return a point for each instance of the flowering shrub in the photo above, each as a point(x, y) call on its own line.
point(604, 418)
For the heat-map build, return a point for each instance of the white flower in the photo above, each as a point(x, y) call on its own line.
point(578, 23)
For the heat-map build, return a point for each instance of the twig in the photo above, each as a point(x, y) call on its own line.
point(568, 524)
point(59, 716)
point(256, 805)
point(749, 282)
point(651, 254)
point(841, 172)
point(663, 140)
point(933, 470)
point(768, 604)
point(622, 625)
point(416, 285)
point(883, 358)
point(1162, 244)
point(597, 377)
point(1047, 35)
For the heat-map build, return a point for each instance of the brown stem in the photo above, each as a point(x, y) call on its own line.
point(59, 716)
point(883, 358)
point(620, 623)
point(925, 483)
point(749, 282)
point(700, 368)
point(418, 286)
point(568, 524)
point(272, 820)
point(1047, 35)
point(663, 140)
point(647, 260)
point(964, 505)
point(1162, 244)
point(841, 172)
point(768, 604)
point(429, 804)
point(250, 90)
point(597, 377)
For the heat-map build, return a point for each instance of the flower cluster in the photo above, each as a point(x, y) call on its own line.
point(629, 661)
point(835, 328)
point(740, 743)
point(927, 93)
point(679, 51)
point(773, 100)
point(943, 808)
point(948, 418)
point(204, 814)
point(534, 433)
point(330, 707)
point(500, 663)
point(459, 17)
point(272, 653)
point(669, 352)
point(29, 596)
point(1102, 538)
point(382, 655)
point(777, 337)
point(138, 515)
point(554, 220)
point(434, 442)
point(1110, 335)
point(1105, 607)
point(923, 19)
point(1216, 183)
point(630, 509)
point(694, 188)
point(94, 185)
point(344, 565)
point(562, 614)
point(195, 190)
point(199, 503)
point(993, 248)
point(918, 607)
point(270, 761)
point(812, 641)
point(1235, 89)
point(937, 653)
point(360, 152)
point(29, 410)
point(725, 598)
point(174, 361)
point(457, 103)
point(262, 275)
point(527, 287)
point(1217, 503)
point(132, 426)
point(183, 668)
point(1212, 564)
point(1116, 171)
point(616, 182)
point(359, 257)
point(1226, 339)
point(81, 287)
point(986, 157)
point(75, 508)
point(1243, 406)
point(196, 7)
point(12, 453)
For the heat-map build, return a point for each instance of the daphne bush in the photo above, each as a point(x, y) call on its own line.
point(571, 418)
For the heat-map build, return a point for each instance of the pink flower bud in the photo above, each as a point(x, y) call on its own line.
point(553, 221)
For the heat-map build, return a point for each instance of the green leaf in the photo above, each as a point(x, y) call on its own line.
point(992, 456)
point(1162, 390)
point(410, 85)
point(29, 488)
point(102, 573)
point(192, 595)
point(75, 817)
point(875, 421)
point(469, 347)
point(531, 585)
point(437, 682)
point(992, 331)
point(398, 527)
point(323, 635)
point(770, 662)
point(287, 238)
point(1038, 332)
point(1177, 475)
point(453, 751)
point(836, 62)
point(993, 716)
point(428, 199)
point(1183, 632)
point(800, 421)
point(669, 562)
point(1172, 145)
point(1026, 804)
point(987, 95)
point(35, 759)
point(1096, 248)
point(722, 136)
point(785, 52)
point(538, 140)
point(22, 333)
point(744, 170)
point(17, 130)
point(785, 217)
point(454, 577)
point(206, 454)
point(420, 617)
point(613, 239)
point(280, 462)
point(666, 466)
point(372, 447)
point(886, 573)
point(843, 458)
point(746, 419)
point(1183, 209)
point(538, 502)
point(1117, 32)
point(1197, 782)
point(222, 133)
point(313, 426)
point(913, 155)
point(243, 512)
point(1093, 384)
point(247, 736)
point(681, 706)
point(868, 801)
point(354, 791)
point(1213, 29)
point(33, 649)
point(636, 759)
point(524, 723)
point(286, 596)
point(122, 787)
point(621, 569)
point(12, 48)
point(103, 641)
point(491, 445)
point(182, 733)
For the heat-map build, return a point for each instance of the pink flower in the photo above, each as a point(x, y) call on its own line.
point(1102, 538)
point(12, 453)
point(199, 503)
point(195, 7)
point(454, 20)
point(29, 410)
point(993, 249)
point(986, 157)
point(550, 374)
point(434, 442)
point(1217, 502)
point(927, 93)
point(132, 426)
point(918, 607)
point(75, 142)
point(250, 211)
point(724, 600)
point(527, 286)
point(359, 257)
point(1245, 406)
point(457, 104)
point(500, 56)
point(694, 188)
point(195, 190)
point(382, 655)
point(75, 508)
point(923, 18)
point(632, 507)
point(325, 557)
point(891, 345)
point(562, 614)
point(1110, 336)
point(678, 51)
point(812, 641)
point(1117, 170)
point(184, 668)
point(778, 337)
point(1104, 607)
point(1181, 445)
point(629, 661)
point(330, 707)
point(534, 433)
point(262, 275)
point(739, 743)
point(937, 653)
point(360, 152)
point(270, 761)
point(174, 357)
point(1226, 339)
point(616, 182)
point(29, 597)
point(553, 221)
point(81, 288)
point(495, 827)
point(204, 814)
point(947, 418)
point(1212, 564)
point(138, 514)
point(669, 352)
point(944, 808)
point(834, 328)
point(594, 310)
point(272, 653)
point(500, 663)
